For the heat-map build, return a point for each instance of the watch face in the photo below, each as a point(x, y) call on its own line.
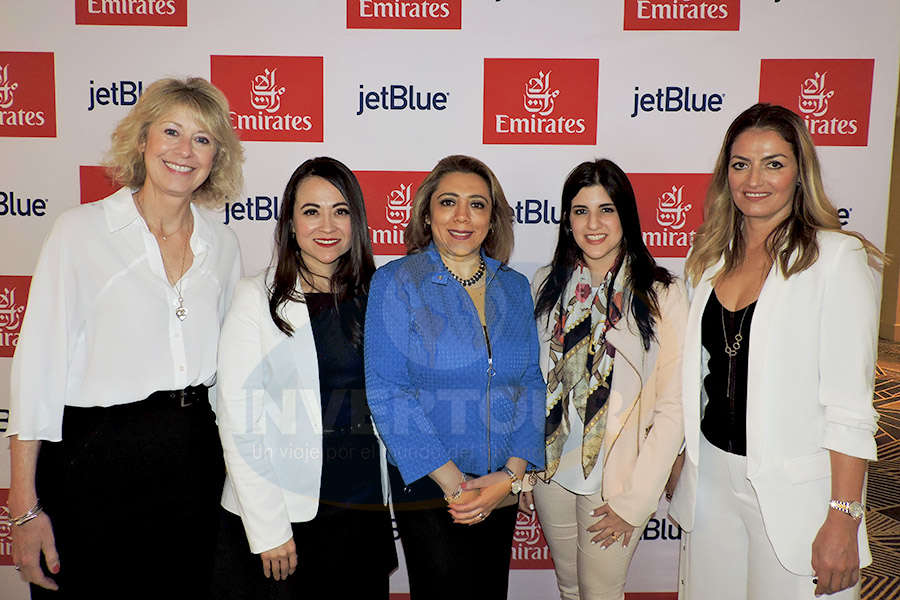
point(856, 510)
point(516, 487)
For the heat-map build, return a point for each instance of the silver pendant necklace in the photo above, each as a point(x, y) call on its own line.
point(180, 311)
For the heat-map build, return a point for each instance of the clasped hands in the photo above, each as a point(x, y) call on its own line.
point(479, 497)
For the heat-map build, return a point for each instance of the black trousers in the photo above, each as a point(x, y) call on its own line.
point(132, 492)
point(442, 557)
point(341, 554)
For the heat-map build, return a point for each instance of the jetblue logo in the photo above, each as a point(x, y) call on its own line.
point(536, 211)
point(17, 206)
point(400, 97)
point(675, 99)
point(255, 208)
point(118, 93)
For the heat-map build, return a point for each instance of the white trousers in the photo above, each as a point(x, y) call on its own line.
point(584, 571)
point(728, 555)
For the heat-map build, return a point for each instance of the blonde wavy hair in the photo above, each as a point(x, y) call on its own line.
point(125, 160)
point(499, 241)
point(721, 234)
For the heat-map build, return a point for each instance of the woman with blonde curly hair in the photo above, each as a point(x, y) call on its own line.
point(116, 467)
point(778, 377)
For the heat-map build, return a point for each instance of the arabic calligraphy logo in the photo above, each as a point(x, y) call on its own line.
point(10, 312)
point(6, 88)
point(538, 96)
point(813, 96)
point(671, 211)
point(264, 93)
point(399, 204)
point(528, 531)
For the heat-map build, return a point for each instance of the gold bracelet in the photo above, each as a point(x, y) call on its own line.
point(454, 497)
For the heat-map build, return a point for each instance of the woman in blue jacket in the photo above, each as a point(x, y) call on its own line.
point(453, 382)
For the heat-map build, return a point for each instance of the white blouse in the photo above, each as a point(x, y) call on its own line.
point(100, 328)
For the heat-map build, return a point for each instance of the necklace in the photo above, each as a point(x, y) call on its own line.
point(471, 280)
point(732, 349)
point(180, 311)
point(162, 235)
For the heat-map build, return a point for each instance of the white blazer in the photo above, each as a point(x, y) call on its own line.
point(269, 415)
point(812, 349)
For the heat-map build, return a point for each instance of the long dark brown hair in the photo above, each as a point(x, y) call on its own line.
point(643, 272)
point(350, 282)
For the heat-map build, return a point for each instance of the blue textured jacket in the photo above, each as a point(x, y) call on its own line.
point(433, 393)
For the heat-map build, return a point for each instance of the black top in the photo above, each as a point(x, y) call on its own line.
point(725, 419)
point(351, 474)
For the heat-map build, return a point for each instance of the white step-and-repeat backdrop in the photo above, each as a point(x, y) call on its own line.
point(532, 87)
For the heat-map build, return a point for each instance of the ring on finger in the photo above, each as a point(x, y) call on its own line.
point(481, 516)
point(615, 535)
point(18, 568)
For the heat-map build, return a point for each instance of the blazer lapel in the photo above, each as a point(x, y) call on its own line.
point(303, 349)
point(631, 370)
point(692, 367)
point(770, 296)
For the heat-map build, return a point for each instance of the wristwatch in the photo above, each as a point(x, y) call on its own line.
point(515, 483)
point(854, 509)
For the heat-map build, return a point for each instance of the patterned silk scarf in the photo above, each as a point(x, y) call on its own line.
point(582, 364)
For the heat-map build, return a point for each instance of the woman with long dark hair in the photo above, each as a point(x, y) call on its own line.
point(778, 377)
point(303, 491)
point(610, 323)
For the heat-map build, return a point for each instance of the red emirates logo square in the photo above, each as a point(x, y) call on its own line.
point(833, 96)
point(273, 98)
point(161, 13)
point(6, 526)
point(27, 94)
point(670, 206)
point(529, 548)
point(95, 184)
point(682, 15)
point(13, 299)
point(389, 196)
point(404, 14)
point(540, 101)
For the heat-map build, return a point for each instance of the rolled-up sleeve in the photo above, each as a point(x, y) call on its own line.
point(849, 345)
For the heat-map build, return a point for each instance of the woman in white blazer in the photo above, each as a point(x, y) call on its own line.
point(610, 323)
point(304, 467)
point(778, 377)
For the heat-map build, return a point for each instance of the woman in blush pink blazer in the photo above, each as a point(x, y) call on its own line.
point(610, 322)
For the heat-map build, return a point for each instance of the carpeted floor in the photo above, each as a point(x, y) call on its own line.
point(881, 581)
